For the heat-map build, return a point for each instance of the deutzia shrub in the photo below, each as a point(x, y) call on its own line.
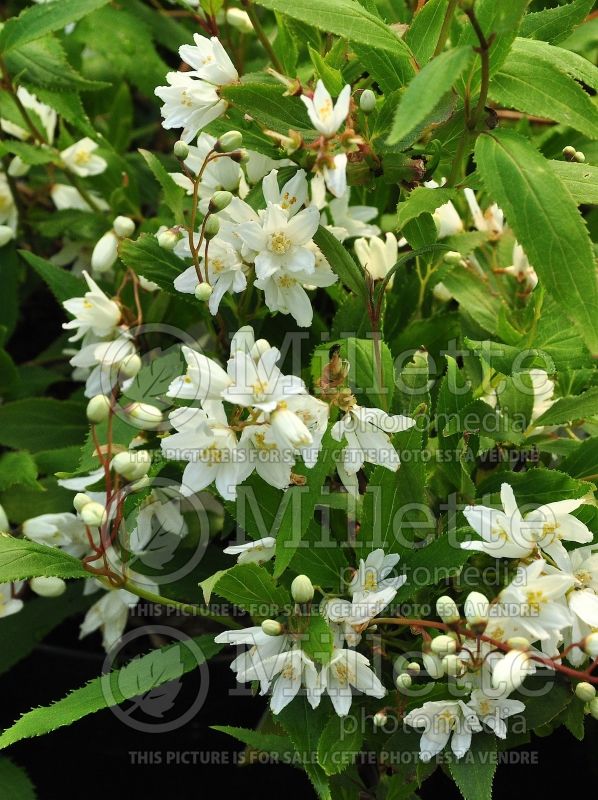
point(299, 327)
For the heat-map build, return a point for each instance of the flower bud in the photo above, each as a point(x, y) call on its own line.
point(452, 665)
point(239, 19)
point(203, 292)
point(433, 665)
point(569, 151)
point(181, 150)
point(441, 293)
point(17, 168)
point(403, 681)
point(509, 673)
point(453, 257)
point(302, 589)
point(220, 200)
point(123, 226)
point(585, 692)
point(105, 252)
point(271, 627)
point(590, 645)
point(447, 610)
point(93, 514)
point(240, 156)
point(130, 366)
point(518, 643)
point(98, 408)
point(167, 239)
point(579, 157)
point(146, 415)
point(443, 645)
point(231, 140)
point(4, 524)
point(258, 349)
point(80, 500)
point(413, 666)
point(593, 707)
point(48, 587)
point(380, 719)
point(132, 464)
point(6, 234)
point(476, 611)
point(367, 101)
point(211, 228)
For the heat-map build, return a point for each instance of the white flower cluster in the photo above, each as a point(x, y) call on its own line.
point(277, 659)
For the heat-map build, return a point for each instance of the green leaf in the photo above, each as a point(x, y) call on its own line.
point(50, 423)
point(173, 193)
point(423, 201)
point(324, 561)
point(332, 78)
point(537, 486)
point(43, 63)
point(318, 639)
point(62, 283)
point(269, 106)
point(474, 772)
point(153, 379)
point(255, 740)
point(18, 468)
point(28, 153)
point(21, 559)
point(304, 726)
point(565, 60)
point(581, 180)
point(341, 261)
point(553, 24)
point(252, 588)
point(546, 222)
point(541, 88)
point(569, 409)
point(436, 562)
point(389, 72)
point(209, 584)
point(37, 21)
point(147, 258)
point(14, 782)
point(583, 461)
point(427, 89)
point(422, 35)
point(339, 745)
point(137, 678)
point(345, 18)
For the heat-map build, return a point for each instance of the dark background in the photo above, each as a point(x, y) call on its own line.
point(95, 752)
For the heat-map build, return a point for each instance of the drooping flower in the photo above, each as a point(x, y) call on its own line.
point(9, 603)
point(209, 61)
point(289, 671)
point(491, 220)
point(348, 220)
point(374, 574)
point(440, 719)
point(347, 669)
point(222, 269)
point(94, 312)
point(492, 711)
point(377, 256)
point(257, 661)
point(64, 530)
point(256, 552)
point(81, 159)
point(46, 115)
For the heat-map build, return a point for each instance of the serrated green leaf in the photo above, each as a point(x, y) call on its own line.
point(50, 423)
point(18, 468)
point(62, 284)
point(339, 745)
point(21, 559)
point(43, 62)
point(37, 21)
point(474, 772)
point(147, 258)
point(14, 782)
point(569, 409)
point(252, 588)
point(173, 193)
point(341, 261)
point(553, 24)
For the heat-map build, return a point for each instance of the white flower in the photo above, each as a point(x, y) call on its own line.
point(373, 575)
point(294, 670)
point(223, 270)
point(313, 413)
point(326, 116)
point(521, 269)
point(205, 380)
point(582, 599)
point(9, 604)
point(99, 363)
point(80, 158)
point(209, 446)
point(93, 313)
point(440, 719)
point(447, 219)
point(65, 196)
point(543, 388)
point(350, 221)
point(64, 530)
point(552, 524)
point(158, 516)
point(529, 601)
point(509, 672)
point(257, 552)
point(257, 661)
point(280, 241)
point(288, 429)
point(8, 210)
point(492, 711)
point(44, 113)
point(189, 104)
point(366, 433)
point(376, 256)
point(346, 669)
point(501, 531)
point(209, 61)
point(291, 197)
point(335, 175)
point(259, 383)
point(262, 451)
point(491, 220)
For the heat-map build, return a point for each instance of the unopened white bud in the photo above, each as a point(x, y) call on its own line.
point(509, 673)
point(580, 157)
point(569, 151)
point(105, 252)
point(98, 408)
point(48, 587)
point(593, 707)
point(167, 239)
point(203, 292)
point(181, 149)
point(367, 101)
point(132, 464)
point(258, 349)
point(443, 645)
point(452, 257)
point(130, 366)
point(123, 226)
point(403, 681)
point(4, 524)
point(239, 19)
point(93, 514)
point(433, 665)
point(380, 719)
point(441, 293)
point(585, 691)
point(6, 234)
point(17, 168)
point(476, 611)
point(220, 200)
point(145, 415)
point(447, 610)
point(452, 665)
point(413, 666)
point(302, 589)
point(590, 645)
point(211, 228)
point(80, 500)
point(229, 141)
point(271, 627)
point(518, 643)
